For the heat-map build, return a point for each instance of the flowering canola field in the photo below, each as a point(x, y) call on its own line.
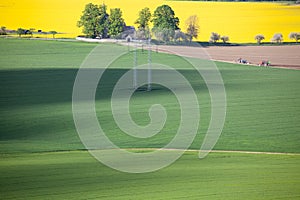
point(241, 21)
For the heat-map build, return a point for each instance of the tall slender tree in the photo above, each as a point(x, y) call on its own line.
point(144, 19)
point(143, 23)
point(192, 27)
point(103, 21)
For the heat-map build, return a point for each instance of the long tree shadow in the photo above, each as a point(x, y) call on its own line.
point(34, 87)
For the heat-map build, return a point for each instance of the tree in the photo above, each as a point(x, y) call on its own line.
point(143, 23)
point(164, 17)
point(3, 30)
point(294, 36)
point(94, 20)
point(225, 39)
point(214, 37)
point(144, 19)
point(53, 33)
point(103, 21)
point(142, 34)
point(278, 38)
point(259, 38)
point(164, 22)
point(30, 31)
point(164, 34)
point(116, 22)
point(20, 31)
point(192, 25)
point(180, 36)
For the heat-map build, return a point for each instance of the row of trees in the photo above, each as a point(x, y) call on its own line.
point(96, 22)
point(278, 37)
point(22, 31)
point(214, 37)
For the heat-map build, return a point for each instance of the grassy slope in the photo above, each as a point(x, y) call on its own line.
point(75, 175)
point(36, 88)
point(36, 79)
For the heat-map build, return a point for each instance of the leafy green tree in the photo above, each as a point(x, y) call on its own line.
point(94, 20)
point(259, 38)
point(164, 18)
point(294, 36)
point(53, 33)
point(143, 19)
point(116, 22)
point(143, 23)
point(192, 24)
point(103, 21)
point(20, 31)
point(165, 23)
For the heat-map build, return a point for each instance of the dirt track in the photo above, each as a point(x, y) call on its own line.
point(280, 56)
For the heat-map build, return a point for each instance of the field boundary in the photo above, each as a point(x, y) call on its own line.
point(163, 149)
point(213, 151)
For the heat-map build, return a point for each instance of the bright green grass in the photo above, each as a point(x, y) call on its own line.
point(36, 81)
point(75, 175)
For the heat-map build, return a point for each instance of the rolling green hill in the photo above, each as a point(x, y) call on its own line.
point(36, 80)
point(36, 91)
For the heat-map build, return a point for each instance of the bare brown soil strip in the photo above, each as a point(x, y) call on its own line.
point(287, 56)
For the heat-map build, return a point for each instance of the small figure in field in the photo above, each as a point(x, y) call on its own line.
point(265, 63)
point(242, 61)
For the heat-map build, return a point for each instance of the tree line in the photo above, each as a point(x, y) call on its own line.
point(23, 31)
point(97, 23)
point(288, 1)
point(277, 37)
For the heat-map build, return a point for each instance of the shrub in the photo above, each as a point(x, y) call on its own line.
point(225, 39)
point(259, 38)
point(214, 37)
point(278, 38)
point(294, 36)
point(180, 36)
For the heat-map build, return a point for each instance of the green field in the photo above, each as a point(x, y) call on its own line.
point(43, 158)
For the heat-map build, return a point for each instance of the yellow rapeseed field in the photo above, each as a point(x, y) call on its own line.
point(240, 21)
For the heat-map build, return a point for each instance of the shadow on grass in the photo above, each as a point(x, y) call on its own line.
point(47, 86)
